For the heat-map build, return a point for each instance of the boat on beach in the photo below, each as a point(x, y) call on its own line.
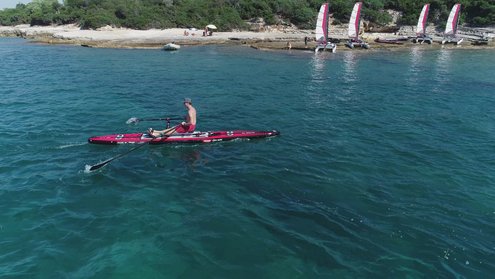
point(450, 34)
point(421, 36)
point(171, 46)
point(321, 31)
point(393, 41)
point(353, 31)
point(480, 42)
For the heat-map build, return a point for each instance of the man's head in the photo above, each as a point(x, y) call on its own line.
point(187, 101)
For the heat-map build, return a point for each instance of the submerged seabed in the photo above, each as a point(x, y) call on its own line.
point(384, 167)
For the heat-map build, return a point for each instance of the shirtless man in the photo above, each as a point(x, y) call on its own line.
point(185, 127)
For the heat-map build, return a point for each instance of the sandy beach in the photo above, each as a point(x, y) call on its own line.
point(153, 38)
point(108, 37)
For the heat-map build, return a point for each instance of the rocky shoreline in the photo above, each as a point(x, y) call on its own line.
point(275, 39)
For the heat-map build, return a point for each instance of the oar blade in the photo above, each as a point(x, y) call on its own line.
point(90, 168)
point(132, 120)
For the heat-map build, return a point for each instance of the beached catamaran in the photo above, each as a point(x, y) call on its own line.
point(353, 31)
point(321, 31)
point(449, 36)
point(421, 36)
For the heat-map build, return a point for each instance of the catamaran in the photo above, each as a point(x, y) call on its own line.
point(321, 31)
point(449, 36)
point(353, 30)
point(421, 36)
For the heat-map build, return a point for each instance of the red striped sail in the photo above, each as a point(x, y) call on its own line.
point(321, 32)
point(451, 27)
point(353, 31)
point(421, 27)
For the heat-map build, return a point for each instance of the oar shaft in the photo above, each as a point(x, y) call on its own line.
point(104, 163)
point(158, 119)
point(136, 120)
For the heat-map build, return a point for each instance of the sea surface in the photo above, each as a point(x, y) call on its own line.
point(385, 167)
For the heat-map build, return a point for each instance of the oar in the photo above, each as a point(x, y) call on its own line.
point(134, 120)
point(104, 163)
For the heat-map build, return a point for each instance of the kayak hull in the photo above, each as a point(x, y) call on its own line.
point(195, 137)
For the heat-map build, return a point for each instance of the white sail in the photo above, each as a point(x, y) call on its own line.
point(321, 32)
point(421, 27)
point(451, 26)
point(354, 21)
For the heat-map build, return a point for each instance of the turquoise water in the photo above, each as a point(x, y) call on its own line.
point(385, 166)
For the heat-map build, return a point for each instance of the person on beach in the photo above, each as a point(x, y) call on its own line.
point(187, 126)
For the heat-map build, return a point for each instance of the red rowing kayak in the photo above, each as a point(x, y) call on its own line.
point(196, 137)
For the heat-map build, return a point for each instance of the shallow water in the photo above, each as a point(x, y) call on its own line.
point(384, 167)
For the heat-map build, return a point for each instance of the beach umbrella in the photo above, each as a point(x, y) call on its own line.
point(211, 26)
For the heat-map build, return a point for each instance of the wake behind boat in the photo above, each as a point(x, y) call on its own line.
point(181, 138)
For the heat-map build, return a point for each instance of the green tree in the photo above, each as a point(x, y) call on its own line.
point(95, 18)
point(228, 14)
